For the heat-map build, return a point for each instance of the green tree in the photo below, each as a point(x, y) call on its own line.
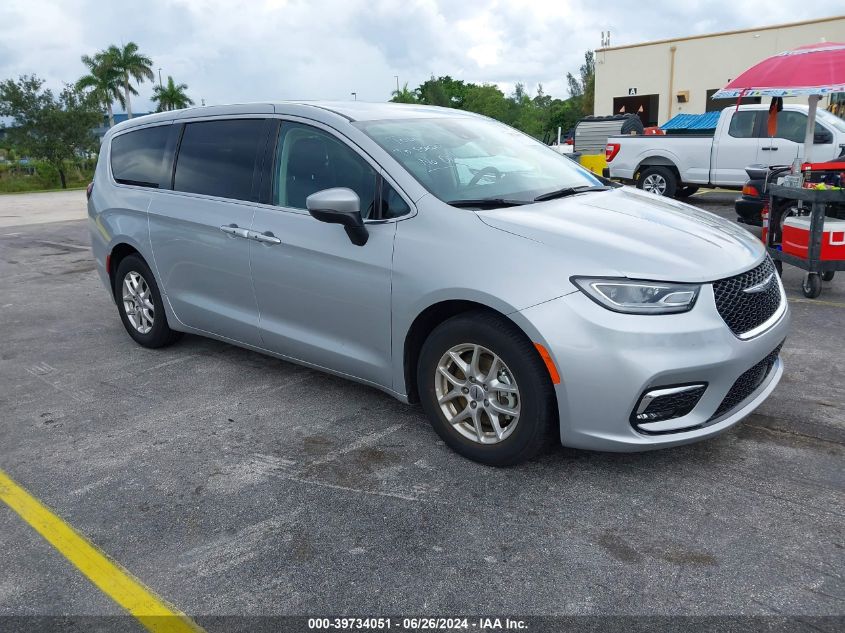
point(171, 96)
point(46, 127)
point(130, 64)
point(486, 99)
point(564, 114)
point(443, 91)
point(433, 92)
point(404, 95)
point(103, 81)
point(583, 86)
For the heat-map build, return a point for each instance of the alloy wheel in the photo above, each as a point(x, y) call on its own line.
point(477, 393)
point(138, 302)
point(655, 183)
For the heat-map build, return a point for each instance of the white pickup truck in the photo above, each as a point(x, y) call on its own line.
point(677, 164)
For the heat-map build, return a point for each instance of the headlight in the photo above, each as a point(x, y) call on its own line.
point(639, 297)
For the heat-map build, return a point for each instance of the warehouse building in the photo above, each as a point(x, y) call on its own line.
point(661, 79)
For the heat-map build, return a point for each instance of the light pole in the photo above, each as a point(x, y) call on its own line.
point(397, 82)
point(354, 95)
point(159, 77)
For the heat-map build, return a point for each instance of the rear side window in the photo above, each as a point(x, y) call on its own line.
point(143, 157)
point(743, 124)
point(217, 158)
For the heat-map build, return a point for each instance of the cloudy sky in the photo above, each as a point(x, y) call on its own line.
point(253, 50)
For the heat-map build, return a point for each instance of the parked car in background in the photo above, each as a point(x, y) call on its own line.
point(443, 258)
point(676, 165)
point(754, 198)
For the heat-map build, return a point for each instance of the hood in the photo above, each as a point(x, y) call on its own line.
point(630, 233)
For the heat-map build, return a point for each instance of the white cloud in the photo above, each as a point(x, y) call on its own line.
point(296, 49)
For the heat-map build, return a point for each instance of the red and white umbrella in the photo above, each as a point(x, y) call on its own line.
point(815, 70)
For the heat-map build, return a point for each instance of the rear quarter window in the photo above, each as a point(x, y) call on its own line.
point(144, 157)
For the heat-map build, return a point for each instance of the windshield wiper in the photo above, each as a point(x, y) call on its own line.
point(568, 191)
point(486, 203)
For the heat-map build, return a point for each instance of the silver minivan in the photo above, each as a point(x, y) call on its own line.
point(446, 259)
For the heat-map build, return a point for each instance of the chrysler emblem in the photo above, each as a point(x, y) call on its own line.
point(763, 285)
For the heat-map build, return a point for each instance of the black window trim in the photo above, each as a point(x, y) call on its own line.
point(176, 156)
point(339, 136)
point(268, 162)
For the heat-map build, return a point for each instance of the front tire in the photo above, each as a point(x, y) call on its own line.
point(485, 389)
point(139, 304)
point(659, 180)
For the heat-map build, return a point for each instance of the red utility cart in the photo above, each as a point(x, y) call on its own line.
point(814, 242)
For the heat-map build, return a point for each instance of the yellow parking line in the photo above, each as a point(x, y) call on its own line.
point(114, 581)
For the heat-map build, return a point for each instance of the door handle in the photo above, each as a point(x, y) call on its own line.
point(234, 229)
point(769, 149)
point(265, 238)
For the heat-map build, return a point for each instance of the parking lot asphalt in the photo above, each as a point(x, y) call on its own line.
point(236, 484)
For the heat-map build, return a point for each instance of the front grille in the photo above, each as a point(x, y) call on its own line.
point(743, 311)
point(667, 407)
point(747, 383)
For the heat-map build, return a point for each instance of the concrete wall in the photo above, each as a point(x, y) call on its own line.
point(701, 63)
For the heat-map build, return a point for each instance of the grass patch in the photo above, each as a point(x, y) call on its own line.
point(12, 193)
point(43, 177)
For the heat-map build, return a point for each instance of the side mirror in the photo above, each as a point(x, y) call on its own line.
point(339, 206)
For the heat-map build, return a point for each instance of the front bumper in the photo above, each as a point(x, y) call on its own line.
point(607, 360)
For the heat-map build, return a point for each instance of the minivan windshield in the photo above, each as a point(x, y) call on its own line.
point(474, 162)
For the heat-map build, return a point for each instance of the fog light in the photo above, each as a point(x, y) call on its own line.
point(667, 403)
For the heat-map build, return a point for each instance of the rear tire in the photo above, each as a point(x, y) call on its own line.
point(659, 180)
point(139, 304)
point(828, 275)
point(520, 383)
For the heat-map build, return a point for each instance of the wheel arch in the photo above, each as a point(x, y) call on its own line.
point(120, 251)
point(425, 323)
point(658, 161)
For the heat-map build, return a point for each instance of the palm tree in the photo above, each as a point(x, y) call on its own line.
point(130, 64)
point(404, 95)
point(103, 81)
point(171, 96)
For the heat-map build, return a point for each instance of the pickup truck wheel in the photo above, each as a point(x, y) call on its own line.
point(659, 180)
point(686, 191)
